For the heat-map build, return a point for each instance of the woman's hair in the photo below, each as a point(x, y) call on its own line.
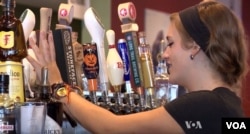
point(226, 47)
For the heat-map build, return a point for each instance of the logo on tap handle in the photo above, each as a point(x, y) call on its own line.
point(127, 11)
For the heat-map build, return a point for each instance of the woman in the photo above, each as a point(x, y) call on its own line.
point(206, 54)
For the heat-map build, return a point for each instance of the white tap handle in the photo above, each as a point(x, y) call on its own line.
point(45, 19)
point(29, 72)
point(94, 25)
point(28, 20)
point(96, 31)
point(110, 34)
point(114, 61)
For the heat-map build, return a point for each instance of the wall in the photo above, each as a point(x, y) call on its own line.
point(170, 6)
point(246, 22)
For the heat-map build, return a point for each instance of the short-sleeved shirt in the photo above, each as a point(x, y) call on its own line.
point(202, 111)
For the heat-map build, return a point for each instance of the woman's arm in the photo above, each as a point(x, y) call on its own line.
point(99, 120)
point(92, 117)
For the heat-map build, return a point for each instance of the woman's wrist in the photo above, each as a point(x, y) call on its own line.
point(61, 91)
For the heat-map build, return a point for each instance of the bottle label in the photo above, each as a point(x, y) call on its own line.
point(7, 121)
point(6, 39)
point(123, 52)
point(7, 125)
point(90, 61)
point(16, 84)
point(78, 52)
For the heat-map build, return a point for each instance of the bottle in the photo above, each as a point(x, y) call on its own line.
point(12, 49)
point(78, 56)
point(162, 78)
point(7, 116)
point(53, 120)
point(147, 69)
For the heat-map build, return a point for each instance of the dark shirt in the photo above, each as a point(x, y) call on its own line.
point(201, 112)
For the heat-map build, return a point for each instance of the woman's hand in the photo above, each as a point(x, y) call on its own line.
point(45, 55)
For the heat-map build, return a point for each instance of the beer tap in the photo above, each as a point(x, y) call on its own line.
point(127, 15)
point(96, 29)
point(129, 95)
point(91, 69)
point(115, 71)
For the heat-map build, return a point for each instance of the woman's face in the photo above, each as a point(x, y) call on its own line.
point(176, 55)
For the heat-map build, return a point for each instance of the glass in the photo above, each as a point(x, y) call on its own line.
point(30, 117)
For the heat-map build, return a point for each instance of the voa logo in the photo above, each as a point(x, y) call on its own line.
point(236, 125)
point(193, 124)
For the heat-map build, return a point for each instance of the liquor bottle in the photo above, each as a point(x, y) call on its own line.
point(12, 49)
point(147, 69)
point(53, 121)
point(7, 116)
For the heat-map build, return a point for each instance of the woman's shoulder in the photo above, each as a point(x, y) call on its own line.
point(216, 94)
point(207, 107)
point(220, 99)
point(219, 95)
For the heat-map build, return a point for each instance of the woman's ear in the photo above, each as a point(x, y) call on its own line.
point(195, 49)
